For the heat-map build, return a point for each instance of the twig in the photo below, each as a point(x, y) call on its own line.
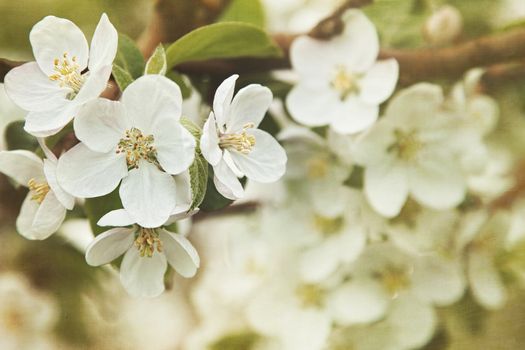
point(333, 24)
point(247, 207)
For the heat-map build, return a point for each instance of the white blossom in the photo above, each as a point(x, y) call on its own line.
point(55, 87)
point(341, 83)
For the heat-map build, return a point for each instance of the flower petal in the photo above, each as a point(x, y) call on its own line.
point(223, 99)
point(175, 147)
point(150, 98)
point(39, 221)
point(109, 245)
point(226, 182)
point(100, 124)
point(32, 90)
point(53, 37)
point(379, 82)
point(353, 116)
point(103, 45)
point(50, 170)
point(267, 160)
point(386, 188)
point(312, 107)
point(87, 174)
point(248, 107)
point(94, 85)
point(180, 253)
point(22, 166)
point(116, 218)
point(485, 281)
point(209, 142)
point(43, 124)
point(148, 194)
point(143, 277)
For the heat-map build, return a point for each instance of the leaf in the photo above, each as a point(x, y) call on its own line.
point(198, 169)
point(182, 81)
point(157, 62)
point(247, 11)
point(122, 77)
point(129, 58)
point(17, 138)
point(96, 208)
point(222, 40)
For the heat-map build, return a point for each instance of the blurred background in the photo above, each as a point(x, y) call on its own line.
point(51, 299)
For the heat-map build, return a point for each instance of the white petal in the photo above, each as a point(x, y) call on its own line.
point(109, 245)
point(52, 37)
point(386, 188)
point(267, 160)
point(86, 174)
point(149, 100)
point(39, 221)
point(94, 85)
point(352, 242)
point(379, 82)
point(101, 124)
point(315, 60)
point(353, 116)
point(248, 106)
point(24, 221)
point(226, 182)
point(371, 148)
point(175, 147)
point(485, 281)
point(43, 124)
point(209, 142)
point(437, 182)
point(312, 107)
point(103, 45)
point(180, 253)
point(50, 170)
point(22, 166)
point(318, 262)
point(148, 194)
point(32, 90)
point(116, 218)
point(143, 277)
point(359, 301)
point(223, 98)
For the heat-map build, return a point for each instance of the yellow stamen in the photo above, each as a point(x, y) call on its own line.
point(345, 83)
point(241, 142)
point(39, 190)
point(328, 226)
point(136, 146)
point(68, 74)
point(407, 144)
point(147, 241)
point(395, 280)
point(310, 295)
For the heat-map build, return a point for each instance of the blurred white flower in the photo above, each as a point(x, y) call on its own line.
point(234, 146)
point(139, 141)
point(412, 150)
point(45, 205)
point(443, 26)
point(9, 112)
point(341, 83)
point(55, 87)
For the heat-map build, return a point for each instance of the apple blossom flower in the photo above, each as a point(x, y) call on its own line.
point(138, 140)
point(411, 151)
point(234, 146)
point(44, 208)
point(340, 82)
point(56, 86)
point(147, 252)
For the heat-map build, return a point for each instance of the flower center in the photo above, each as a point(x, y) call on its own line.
point(38, 189)
point(317, 168)
point(310, 295)
point(328, 226)
point(147, 241)
point(241, 142)
point(68, 74)
point(395, 280)
point(136, 146)
point(345, 83)
point(407, 144)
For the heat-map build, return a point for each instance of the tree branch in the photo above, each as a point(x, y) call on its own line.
point(333, 24)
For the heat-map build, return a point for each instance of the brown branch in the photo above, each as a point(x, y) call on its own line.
point(247, 207)
point(333, 24)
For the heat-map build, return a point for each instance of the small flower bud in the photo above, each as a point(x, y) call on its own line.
point(443, 26)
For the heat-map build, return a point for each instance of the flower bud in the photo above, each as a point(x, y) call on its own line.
point(443, 26)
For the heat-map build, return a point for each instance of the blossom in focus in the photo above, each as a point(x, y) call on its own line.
point(54, 87)
point(412, 151)
point(138, 140)
point(44, 208)
point(234, 146)
point(341, 83)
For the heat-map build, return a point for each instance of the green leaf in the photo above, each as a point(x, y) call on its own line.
point(247, 11)
point(129, 58)
point(122, 77)
point(222, 40)
point(182, 81)
point(157, 62)
point(199, 168)
point(96, 208)
point(17, 138)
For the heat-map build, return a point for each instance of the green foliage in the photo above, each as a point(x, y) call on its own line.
point(129, 57)
point(199, 168)
point(222, 40)
point(213, 199)
point(96, 208)
point(182, 82)
point(17, 138)
point(471, 314)
point(122, 77)
point(247, 11)
point(157, 62)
